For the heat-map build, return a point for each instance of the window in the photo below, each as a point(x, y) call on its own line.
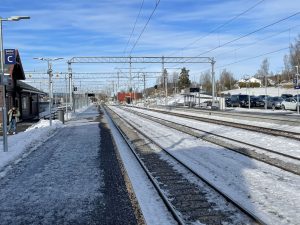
point(24, 101)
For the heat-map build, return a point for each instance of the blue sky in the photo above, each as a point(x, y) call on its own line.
point(102, 28)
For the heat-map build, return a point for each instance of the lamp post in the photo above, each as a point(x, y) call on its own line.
point(49, 60)
point(4, 114)
point(297, 86)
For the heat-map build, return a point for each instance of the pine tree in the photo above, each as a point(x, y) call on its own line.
point(184, 80)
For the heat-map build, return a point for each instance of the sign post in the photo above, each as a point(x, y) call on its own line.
point(297, 86)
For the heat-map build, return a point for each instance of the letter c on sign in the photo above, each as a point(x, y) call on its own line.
point(8, 59)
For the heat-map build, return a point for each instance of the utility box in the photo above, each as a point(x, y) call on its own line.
point(222, 103)
point(61, 115)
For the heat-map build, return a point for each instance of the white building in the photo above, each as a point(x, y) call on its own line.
point(250, 80)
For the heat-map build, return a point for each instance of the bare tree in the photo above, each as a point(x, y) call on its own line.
point(263, 72)
point(295, 52)
point(226, 80)
point(287, 68)
point(173, 80)
point(160, 81)
point(205, 80)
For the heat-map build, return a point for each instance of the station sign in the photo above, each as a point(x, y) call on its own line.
point(10, 56)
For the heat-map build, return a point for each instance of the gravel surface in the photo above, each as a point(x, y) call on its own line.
point(118, 208)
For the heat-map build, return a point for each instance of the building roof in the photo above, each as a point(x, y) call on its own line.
point(252, 80)
point(28, 88)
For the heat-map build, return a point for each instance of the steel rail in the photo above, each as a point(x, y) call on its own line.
point(270, 131)
point(239, 114)
point(151, 178)
point(221, 136)
point(238, 150)
point(206, 181)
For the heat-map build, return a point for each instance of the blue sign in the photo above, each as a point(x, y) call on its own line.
point(10, 56)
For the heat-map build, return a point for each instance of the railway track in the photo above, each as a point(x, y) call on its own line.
point(248, 149)
point(270, 131)
point(269, 118)
point(188, 202)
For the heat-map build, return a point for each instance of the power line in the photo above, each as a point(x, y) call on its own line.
point(222, 25)
point(156, 5)
point(245, 35)
point(253, 57)
point(250, 58)
point(268, 37)
point(134, 26)
point(248, 34)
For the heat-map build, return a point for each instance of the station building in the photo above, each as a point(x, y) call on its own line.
point(18, 93)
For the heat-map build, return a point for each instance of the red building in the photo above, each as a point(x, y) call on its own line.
point(18, 93)
point(129, 96)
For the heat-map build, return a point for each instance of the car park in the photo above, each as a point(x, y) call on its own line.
point(289, 104)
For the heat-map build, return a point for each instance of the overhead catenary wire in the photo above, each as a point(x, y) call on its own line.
point(245, 35)
point(144, 28)
point(220, 26)
point(132, 31)
point(250, 33)
point(253, 57)
point(249, 58)
point(255, 42)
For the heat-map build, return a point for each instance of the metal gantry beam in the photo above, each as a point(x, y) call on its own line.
point(148, 60)
point(87, 76)
point(130, 59)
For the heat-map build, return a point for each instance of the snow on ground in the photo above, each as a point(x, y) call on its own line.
point(23, 143)
point(261, 110)
point(73, 115)
point(31, 138)
point(154, 211)
point(234, 120)
point(58, 184)
point(271, 193)
point(279, 144)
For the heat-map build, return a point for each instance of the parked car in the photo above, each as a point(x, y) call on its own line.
point(285, 96)
point(256, 101)
point(289, 103)
point(264, 98)
point(274, 102)
point(239, 100)
point(205, 104)
point(295, 97)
